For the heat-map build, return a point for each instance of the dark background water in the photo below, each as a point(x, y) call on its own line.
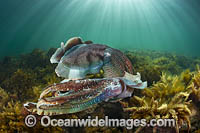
point(166, 25)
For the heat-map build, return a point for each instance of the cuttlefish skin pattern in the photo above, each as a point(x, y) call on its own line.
point(79, 60)
point(76, 93)
point(86, 94)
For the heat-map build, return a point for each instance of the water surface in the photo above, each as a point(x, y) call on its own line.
point(167, 25)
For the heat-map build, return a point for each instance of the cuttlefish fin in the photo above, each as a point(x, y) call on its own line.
point(62, 45)
point(72, 42)
point(88, 42)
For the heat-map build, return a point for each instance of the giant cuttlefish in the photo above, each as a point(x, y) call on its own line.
point(93, 73)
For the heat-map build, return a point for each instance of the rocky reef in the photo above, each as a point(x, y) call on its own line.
point(173, 92)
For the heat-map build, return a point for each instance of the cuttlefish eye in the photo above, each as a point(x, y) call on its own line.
point(62, 93)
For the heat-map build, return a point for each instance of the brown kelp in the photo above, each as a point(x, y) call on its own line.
point(166, 99)
point(195, 86)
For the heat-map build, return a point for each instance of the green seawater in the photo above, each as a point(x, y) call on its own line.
point(164, 25)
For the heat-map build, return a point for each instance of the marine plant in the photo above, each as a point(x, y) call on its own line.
point(12, 120)
point(20, 83)
point(152, 64)
point(167, 98)
point(167, 87)
point(40, 59)
point(195, 87)
point(143, 65)
point(167, 65)
point(12, 114)
point(177, 108)
point(4, 98)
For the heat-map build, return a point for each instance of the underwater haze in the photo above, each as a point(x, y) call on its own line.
point(164, 25)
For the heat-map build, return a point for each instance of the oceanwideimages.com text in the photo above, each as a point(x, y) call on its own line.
point(46, 121)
